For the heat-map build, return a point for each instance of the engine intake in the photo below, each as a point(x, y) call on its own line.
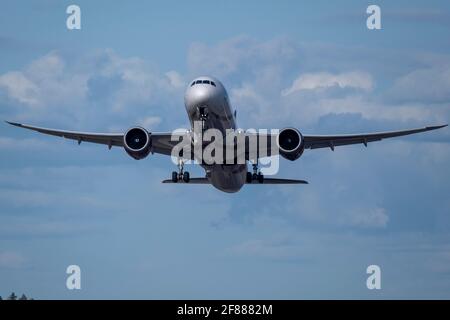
point(290, 143)
point(137, 142)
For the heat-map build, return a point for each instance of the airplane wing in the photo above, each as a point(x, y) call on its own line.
point(266, 141)
point(331, 141)
point(161, 141)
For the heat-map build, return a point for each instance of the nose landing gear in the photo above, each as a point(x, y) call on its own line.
point(181, 175)
point(203, 115)
point(256, 175)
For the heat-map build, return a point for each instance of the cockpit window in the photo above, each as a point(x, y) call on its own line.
point(204, 82)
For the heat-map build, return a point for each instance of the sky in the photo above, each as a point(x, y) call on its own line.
point(312, 65)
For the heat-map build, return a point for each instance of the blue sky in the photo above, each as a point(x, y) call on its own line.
point(309, 64)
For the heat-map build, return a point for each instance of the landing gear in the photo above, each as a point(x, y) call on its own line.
point(174, 176)
point(181, 175)
point(203, 115)
point(260, 178)
point(256, 175)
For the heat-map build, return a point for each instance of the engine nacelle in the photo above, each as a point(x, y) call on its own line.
point(137, 142)
point(290, 143)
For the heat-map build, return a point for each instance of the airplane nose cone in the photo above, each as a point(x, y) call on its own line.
point(199, 96)
point(204, 92)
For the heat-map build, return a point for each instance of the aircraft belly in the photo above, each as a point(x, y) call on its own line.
point(228, 178)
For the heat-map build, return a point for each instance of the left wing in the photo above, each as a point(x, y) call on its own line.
point(266, 141)
point(331, 141)
point(161, 141)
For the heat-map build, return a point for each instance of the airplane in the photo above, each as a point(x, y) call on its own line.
point(206, 101)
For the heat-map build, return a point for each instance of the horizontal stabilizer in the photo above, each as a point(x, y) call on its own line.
point(191, 181)
point(265, 181)
point(279, 181)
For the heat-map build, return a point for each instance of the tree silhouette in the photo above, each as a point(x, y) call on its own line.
point(12, 296)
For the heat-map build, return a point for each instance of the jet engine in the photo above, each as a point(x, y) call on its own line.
point(137, 142)
point(290, 143)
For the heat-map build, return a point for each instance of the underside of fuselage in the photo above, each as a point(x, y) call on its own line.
point(206, 102)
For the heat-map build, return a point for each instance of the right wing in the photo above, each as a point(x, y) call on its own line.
point(161, 141)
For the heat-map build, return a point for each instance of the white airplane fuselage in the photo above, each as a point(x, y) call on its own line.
point(207, 98)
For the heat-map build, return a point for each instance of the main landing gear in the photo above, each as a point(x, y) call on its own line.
point(256, 175)
point(181, 175)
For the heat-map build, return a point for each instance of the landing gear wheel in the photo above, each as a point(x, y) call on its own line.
point(186, 176)
point(260, 178)
point(174, 176)
point(256, 175)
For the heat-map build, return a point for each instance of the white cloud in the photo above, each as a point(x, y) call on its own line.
point(10, 259)
point(256, 72)
point(104, 90)
point(308, 206)
point(45, 82)
point(312, 110)
point(46, 67)
point(424, 85)
point(240, 54)
point(323, 80)
point(175, 79)
point(100, 89)
point(20, 88)
point(149, 123)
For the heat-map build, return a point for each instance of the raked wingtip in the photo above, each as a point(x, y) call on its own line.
point(13, 123)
